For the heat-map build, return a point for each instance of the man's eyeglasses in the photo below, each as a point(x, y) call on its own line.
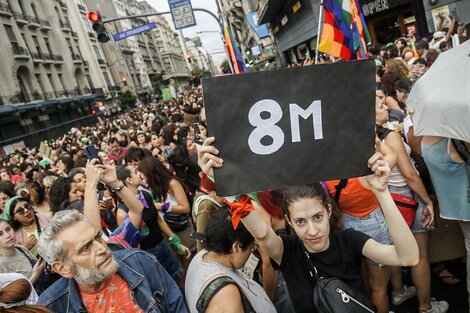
point(23, 210)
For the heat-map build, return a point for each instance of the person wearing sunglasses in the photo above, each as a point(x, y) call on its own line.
point(25, 223)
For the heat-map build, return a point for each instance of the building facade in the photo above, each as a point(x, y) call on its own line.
point(54, 71)
point(50, 73)
point(295, 23)
point(256, 45)
point(198, 57)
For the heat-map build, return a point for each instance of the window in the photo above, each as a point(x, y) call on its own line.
point(97, 51)
point(51, 81)
point(86, 26)
point(69, 43)
point(10, 33)
point(48, 46)
point(22, 7)
point(36, 44)
point(90, 82)
point(35, 12)
point(39, 81)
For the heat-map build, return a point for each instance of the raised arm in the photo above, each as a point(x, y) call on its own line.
point(91, 206)
point(136, 208)
point(405, 251)
point(264, 235)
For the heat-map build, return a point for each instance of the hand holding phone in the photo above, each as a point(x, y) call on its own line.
point(91, 152)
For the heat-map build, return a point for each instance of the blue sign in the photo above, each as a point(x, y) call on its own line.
point(134, 31)
point(260, 30)
point(182, 13)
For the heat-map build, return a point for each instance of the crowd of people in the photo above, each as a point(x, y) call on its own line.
point(124, 216)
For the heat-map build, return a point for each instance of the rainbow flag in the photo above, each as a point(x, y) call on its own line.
point(345, 33)
point(236, 57)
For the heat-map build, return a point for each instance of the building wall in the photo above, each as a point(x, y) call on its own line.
point(46, 50)
point(236, 12)
point(461, 9)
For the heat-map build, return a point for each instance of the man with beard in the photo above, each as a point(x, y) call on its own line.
point(98, 280)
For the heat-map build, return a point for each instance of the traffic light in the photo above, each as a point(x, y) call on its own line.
point(98, 26)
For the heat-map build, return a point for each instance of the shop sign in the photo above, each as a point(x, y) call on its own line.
point(284, 20)
point(411, 29)
point(296, 7)
point(374, 7)
point(409, 20)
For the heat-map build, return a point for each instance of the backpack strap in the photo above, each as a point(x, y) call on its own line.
point(461, 149)
point(215, 286)
point(342, 183)
point(27, 255)
point(199, 201)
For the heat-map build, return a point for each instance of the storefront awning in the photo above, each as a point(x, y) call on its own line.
point(269, 11)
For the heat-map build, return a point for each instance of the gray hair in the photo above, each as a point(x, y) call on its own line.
point(51, 248)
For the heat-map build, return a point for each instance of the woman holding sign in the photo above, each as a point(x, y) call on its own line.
point(334, 253)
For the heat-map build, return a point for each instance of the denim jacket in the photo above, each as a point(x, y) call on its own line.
point(151, 287)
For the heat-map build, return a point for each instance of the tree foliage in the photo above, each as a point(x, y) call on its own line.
point(127, 99)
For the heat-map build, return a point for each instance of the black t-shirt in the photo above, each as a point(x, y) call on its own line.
point(341, 260)
point(150, 216)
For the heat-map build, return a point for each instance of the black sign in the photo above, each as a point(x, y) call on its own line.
point(292, 126)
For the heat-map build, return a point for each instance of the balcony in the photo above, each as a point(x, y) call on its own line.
point(49, 95)
point(76, 58)
point(5, 9)
point(81, 7)
point(101, 61)
point(20, 18)
point(114, 88)
point(74, 34)
point(97, 91)
point(127, 49)
point(48, 58)
point(19, 52)
point(45, 24)
point(33, 22)
point(37, 57)
point(58, 59)
point(65, 25)
point(68, 93)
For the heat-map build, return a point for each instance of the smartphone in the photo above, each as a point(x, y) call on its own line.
point(91, 152)
point(198, 236)
point(197, 131)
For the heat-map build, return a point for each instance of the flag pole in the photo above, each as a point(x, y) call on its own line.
point(318, 31)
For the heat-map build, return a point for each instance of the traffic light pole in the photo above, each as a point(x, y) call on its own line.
point(219, 20)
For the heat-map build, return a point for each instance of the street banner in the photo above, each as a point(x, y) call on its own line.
point(292, 126)
point(166, 94)
point(441, 13)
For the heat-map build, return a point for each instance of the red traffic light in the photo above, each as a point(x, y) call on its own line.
point(93, 16)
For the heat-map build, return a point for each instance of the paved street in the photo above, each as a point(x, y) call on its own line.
point(456, 295)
